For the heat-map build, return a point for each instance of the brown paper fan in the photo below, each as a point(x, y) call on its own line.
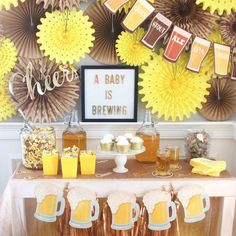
point(1, 31)
point(107, 29)
point(53, 104)
point(20, 25)
point(61, 4)
point(228, 29)
point(221, 102)
point(187, 15)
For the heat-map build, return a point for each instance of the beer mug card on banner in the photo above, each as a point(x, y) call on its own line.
point(140, 11)
point(195, 203)
point(199, 50)
point(157, 29)
point(84, 208)
point(114, 5)
point(158, 204)
point(50, 202)
point(178, 40)
point(124, 209)
point(222, 55)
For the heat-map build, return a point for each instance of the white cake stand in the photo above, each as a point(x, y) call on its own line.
point(120, 158)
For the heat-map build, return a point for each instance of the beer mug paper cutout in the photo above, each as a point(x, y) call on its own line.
point(50, 202)
point(123, 206)
point(84, 208)
point(199, 50)
point(178, 40)
point(192, 199)
point(140, 11)
point(157, 29)
point(114, 5)
point(158, 204)
point(221, 54)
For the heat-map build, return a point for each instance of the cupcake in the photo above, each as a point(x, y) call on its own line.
point(123, 146)
point(106, 144)
point(129, 136)
point(136, 143)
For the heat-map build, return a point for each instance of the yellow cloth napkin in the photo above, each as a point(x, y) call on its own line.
point(204, 166)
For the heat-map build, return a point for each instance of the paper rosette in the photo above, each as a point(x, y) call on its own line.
point(66, 36)
point(127, 5)
point(187, 15)
point(53, 104)
point(8, 57)
point(62, 4)
point(228, 29)
point(130, 50)
point(107, 29)
point(221, 102)
point(8, 3)
point(7, 108)
point(20, 25)
point(220, 6)
point(171, 90)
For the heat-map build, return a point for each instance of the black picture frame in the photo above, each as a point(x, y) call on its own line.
point(83, 95)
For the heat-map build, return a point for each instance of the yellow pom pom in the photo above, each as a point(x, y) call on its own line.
point(66, 36)
point(130, 50)
point(220, 6)
point(170, 89)
point(8, 57)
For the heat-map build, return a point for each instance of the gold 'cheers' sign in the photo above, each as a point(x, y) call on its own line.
point(45, 82)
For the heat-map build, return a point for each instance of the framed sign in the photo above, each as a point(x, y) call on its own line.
point(109, 93)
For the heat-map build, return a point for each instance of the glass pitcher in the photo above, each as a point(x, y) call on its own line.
point(74, 133)
point(150, 137)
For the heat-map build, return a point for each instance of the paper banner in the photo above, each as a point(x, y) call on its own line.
point(199, 50)
point(140, 11)
point(114, 5)
point(157, 29)
point(233, 74)
point(178, 40)
point(221, 55)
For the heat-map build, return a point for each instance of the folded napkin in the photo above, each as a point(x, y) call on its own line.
point(204, 166)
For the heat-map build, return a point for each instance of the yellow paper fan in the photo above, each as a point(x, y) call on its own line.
point(8, 57)
point(170, 89)
point(127, 5)
point(130, 50)
point(7, 3)
point(65, 36)
point(7, 108)
point(220, 6)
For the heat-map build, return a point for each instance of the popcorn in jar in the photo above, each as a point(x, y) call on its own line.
point(34, 141)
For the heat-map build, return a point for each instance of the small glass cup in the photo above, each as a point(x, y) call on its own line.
point(174, 157)
point(163, 163)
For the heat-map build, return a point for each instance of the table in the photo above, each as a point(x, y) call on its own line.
point(138, 180)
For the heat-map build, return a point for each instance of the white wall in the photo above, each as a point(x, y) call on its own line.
point(222, 144)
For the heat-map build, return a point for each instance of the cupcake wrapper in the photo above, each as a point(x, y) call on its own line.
point(122, 148)
point(106, 146)
point(136, 146)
